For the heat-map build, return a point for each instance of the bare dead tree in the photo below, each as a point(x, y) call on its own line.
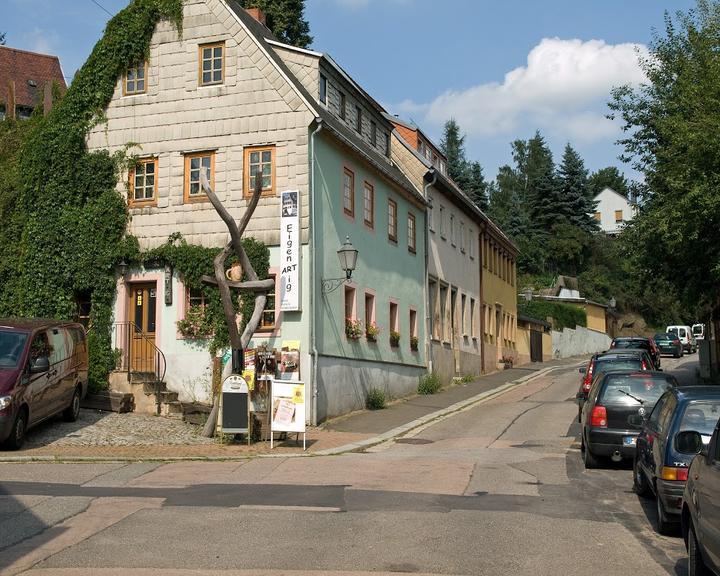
point(253, 284)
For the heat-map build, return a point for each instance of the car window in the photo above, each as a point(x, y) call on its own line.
point(701, 416)
point(682, 332)
point(58, 345)
point(606, 365)
point(673, 331)
point(666, 413)
point(40, 346)
point(632, 344)
point(12, 345)
point(634, 389)
point(654, 420)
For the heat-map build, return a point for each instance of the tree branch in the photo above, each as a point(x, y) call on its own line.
point(251, 285)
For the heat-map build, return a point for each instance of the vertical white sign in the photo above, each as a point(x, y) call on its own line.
point(289, 250)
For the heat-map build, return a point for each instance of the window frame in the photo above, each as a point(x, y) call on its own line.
point(322, 89)
point(127, 92)
point(350, 213)
point(621, 219)
point(201, 197)
point(412, 228)
point(248, 186)
point(211, 45)
point(358, 119)
point(367, 187)
point(132, 201)
point(392, 230)
point(342, 105)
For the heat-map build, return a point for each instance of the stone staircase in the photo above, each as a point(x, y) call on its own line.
point(147, 391)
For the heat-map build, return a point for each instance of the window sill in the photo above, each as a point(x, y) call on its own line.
point(196, 199)
point(263, 194)
point(146, 204)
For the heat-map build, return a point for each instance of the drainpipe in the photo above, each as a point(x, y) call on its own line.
point(482, 300)
point(313, 274)
point(428, 336)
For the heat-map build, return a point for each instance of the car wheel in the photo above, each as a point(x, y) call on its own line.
point(71, 413)
point(640, 483)
point(696, 564)
point(664, 526)
point(17, 434)
point(589, 459)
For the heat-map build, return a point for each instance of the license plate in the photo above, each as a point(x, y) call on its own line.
point(629, 441)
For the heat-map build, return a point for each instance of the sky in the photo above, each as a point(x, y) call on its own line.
point(501, 68)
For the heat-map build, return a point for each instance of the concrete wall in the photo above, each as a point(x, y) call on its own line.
point(343, 383)
point(255, 105)
point(578, 342)
point(595, 317)
point(445, 360)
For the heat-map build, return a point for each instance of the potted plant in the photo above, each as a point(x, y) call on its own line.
point(414, 343)
point(195, 324)
point(507, 362)
point(353, 329)
point(394, 338)
point(372, 331)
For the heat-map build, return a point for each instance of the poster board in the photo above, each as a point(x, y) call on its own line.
point(288, 406)
point(289, 264)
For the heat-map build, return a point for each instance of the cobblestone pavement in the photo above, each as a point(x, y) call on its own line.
point(108, 435)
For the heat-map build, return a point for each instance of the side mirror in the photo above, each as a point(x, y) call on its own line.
point(582, 370)
point(39, 365)
point(689, 442)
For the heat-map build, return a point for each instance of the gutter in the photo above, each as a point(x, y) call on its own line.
point(313, 274)
point(428, 336)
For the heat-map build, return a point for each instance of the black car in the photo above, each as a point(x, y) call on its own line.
point(638, 343)
point(602, 362)
point(669, 343)
point(701, 505)
point(612, 415)
point(661, 461)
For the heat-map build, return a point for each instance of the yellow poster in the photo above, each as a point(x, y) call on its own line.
point(298, 396)
point(249, 377)
point(291, 344)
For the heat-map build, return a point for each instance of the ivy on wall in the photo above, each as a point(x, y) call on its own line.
point(63, 220)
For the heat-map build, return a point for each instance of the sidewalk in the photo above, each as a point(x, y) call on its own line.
point(131, 437)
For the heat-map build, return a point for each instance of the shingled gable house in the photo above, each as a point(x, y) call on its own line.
point(471, 292)
point(229, 98)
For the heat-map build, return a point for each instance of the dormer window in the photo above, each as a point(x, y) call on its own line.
point(342, 106)
point(323, 89)
point(135, 80)
point(358, 119)
point(373, 133)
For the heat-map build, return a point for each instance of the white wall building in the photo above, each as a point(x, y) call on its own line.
point(613, 211)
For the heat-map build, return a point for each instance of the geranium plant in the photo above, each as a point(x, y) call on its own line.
point(195, 323)
point(353, 329)
point(372, 331)
point(414, 343)
point(394, 338)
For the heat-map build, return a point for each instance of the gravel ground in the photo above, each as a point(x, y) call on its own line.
point(96, 428)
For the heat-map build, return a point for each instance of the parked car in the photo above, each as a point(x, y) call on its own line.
point(686, 337)
point(661, 462)
point(700, 517)
point(647, 344)
point(698, 330)
point(669, 343)
point(43, 372)
point(609, 417)
point(631, 360)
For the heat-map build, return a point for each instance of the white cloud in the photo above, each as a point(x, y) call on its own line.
point(563, 89)
point(40, 40)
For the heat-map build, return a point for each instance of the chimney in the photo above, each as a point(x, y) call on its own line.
point(258, 14)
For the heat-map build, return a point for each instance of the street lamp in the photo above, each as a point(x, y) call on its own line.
point(348, 260)
point(122, 268)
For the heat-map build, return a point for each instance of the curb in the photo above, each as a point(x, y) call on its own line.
point(359, 446)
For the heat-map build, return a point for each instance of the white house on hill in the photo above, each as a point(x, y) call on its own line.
point(613, 211)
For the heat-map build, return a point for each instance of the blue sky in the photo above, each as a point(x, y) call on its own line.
point(501, 68)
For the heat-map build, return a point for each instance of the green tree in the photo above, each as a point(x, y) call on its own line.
point(672, 124)
point(286, 19)
point(452, 146)
point(477, 187)
point(573, 182)
point(609, 177)
point(2, 38)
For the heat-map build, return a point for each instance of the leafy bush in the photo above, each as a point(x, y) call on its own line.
point(394, 338)
point(429, 384)
point(563, 315)
point(375, 399)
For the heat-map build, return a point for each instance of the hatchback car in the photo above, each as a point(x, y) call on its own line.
point(609, 418)
point(700, 518)
point(637, 342)
point(612, 360)
point(43, 372)
point(669, 343)
point(661, 462)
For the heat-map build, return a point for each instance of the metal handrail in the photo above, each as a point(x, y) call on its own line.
point(122, 337)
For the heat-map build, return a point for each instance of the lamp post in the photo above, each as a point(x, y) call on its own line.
point(122, 268)
point(348, 260)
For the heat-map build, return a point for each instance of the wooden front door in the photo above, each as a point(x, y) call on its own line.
point(143, 299)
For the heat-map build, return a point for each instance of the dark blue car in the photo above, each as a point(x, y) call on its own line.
point(661, 463)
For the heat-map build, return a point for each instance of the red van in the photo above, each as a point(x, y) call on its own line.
point(43, 372)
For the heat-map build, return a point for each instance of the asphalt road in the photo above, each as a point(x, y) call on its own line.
point(496, 489)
